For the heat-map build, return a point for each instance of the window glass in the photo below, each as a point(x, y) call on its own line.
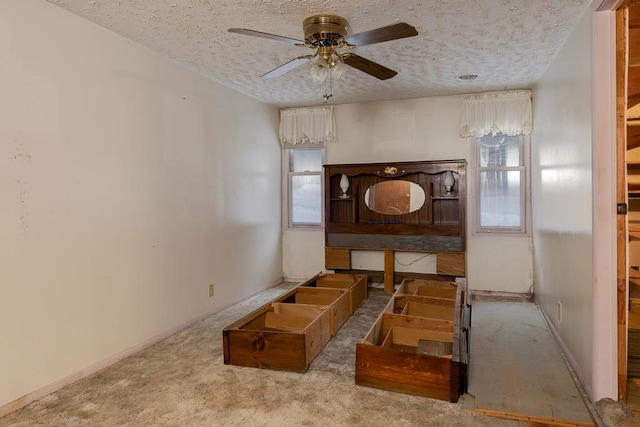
point(500, 193)
point(306, 194)
point(306, 160)
point(501, 177)
point(305, 187)
point(500, 150)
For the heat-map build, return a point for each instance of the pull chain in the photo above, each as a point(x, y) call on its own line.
point(328, 93)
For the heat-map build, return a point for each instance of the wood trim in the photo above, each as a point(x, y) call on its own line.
point(389, 269)
point(451, 264)
point(533, 420)
point(625, 4)
point(621, 194)
point(337, 258)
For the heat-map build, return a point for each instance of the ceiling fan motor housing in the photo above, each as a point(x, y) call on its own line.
point(325, 30)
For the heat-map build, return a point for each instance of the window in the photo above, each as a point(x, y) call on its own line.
point(305, 187)
point(501, 184)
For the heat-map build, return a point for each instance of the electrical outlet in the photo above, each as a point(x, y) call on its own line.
point(559, 312)
point(210, 290)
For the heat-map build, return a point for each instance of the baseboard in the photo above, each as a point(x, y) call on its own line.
point(572, 366)
point(23, 401)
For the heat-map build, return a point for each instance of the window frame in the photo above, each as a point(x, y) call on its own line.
point(525, 204)
point(289, 174)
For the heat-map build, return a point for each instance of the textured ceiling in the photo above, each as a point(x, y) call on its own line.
point(508, 43)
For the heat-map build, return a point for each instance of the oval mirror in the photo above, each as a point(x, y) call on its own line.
point(396, 197)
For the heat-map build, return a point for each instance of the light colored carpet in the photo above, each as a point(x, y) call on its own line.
point(182, 381)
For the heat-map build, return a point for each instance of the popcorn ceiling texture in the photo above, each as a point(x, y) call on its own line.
point(508, 43)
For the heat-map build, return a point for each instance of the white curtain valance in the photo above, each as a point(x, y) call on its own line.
point(493, 112)
point(307, 126)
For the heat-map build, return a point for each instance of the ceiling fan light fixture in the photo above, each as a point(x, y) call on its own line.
point(319, 70)
point(340, 70)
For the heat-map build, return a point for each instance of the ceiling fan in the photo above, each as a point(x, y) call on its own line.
point(328, 33)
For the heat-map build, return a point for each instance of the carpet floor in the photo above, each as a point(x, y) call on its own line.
point(182, 381)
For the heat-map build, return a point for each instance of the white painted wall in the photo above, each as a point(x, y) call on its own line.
point(409, 130)
point(562, 196)
point(128, 184)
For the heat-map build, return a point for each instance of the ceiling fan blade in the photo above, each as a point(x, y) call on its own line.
point(286, 67)
point(275, 37)
point(372, 68)
point(383, 34)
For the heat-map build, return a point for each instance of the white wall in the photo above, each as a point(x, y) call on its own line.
point(562, 196)
point(408, 130)
point(128, 185)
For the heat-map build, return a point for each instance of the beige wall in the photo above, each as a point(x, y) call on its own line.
point(417, 129)
point(562, 197)
point(128, 185)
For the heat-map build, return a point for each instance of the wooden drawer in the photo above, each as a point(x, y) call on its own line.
point(290, 331)
point(354, 284)
point(280, 336)
point(336, 299)
point(419, 344)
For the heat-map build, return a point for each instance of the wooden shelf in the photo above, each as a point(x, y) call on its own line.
point(405, 206)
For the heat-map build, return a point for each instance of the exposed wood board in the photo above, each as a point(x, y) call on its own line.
point(634, 47)
point(622, 280)
point(634, 289)
point(633, 135)
point(633, 396)
point(516, 367)
point(633, 87)
point(634, 16)
point(633, 367)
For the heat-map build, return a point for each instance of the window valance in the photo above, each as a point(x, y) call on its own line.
point(307, 126)
point(493, 112)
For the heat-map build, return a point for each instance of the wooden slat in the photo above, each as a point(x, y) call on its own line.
point(411, 336)
point(533, 421)
point(430, 311)
point(633, 367)
point(337, 258)
point(634, 315)
point(389, 268)
point(401, 300)
point(634, 288)
point(451, 264)
point(633, 134)
point(633, 398)
point(434, 348)
point(449, 293)
point(320, 296)
point(283, 322)
point(390, 320)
